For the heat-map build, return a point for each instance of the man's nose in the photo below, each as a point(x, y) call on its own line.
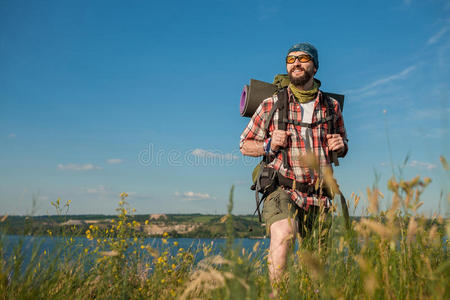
point(297, 61)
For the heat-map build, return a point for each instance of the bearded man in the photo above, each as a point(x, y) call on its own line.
point(295, 204)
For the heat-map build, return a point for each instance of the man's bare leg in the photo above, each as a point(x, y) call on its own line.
point(282, 239)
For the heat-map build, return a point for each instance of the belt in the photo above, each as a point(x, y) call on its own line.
point(303, 187)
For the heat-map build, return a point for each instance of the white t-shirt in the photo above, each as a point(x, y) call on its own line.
point(307, 114)
point(306, 133)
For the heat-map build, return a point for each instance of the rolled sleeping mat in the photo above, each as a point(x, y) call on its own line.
point(243, 102)
point(252, 95)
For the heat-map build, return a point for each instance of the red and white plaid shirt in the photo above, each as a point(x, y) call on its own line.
point(296, 144)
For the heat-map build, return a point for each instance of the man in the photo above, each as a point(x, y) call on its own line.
point(296, 199)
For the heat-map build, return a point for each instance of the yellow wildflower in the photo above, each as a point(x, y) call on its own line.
point(175, 243)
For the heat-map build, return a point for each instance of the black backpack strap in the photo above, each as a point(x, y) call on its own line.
point(271, 113)
point(326, 100)
point(257, 190)
point(266, 127)
point(268, 174)
point(310, 125)
point(257, 186)
point(283, 111)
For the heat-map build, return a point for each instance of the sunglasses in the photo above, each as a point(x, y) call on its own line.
point(290, 59)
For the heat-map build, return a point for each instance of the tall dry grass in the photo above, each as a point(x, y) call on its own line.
point(396, 253)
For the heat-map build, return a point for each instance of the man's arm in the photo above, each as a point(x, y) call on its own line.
point(338, 144)
point(253, 137)
point(258, 148)
point(252, 148)
point(338, 141)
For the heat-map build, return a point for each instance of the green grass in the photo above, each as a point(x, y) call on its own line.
point(392, 254)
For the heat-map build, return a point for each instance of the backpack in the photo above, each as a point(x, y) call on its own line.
point(265, 179)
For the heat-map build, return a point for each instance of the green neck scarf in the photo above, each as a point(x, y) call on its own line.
point(305, 96)
point(282, 81)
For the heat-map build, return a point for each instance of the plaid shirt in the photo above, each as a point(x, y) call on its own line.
point(296, 144)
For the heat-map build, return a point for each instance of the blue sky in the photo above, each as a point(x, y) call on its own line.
point(103, 97)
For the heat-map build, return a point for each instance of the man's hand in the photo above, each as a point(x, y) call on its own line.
point(279, 139)
point(336, 143)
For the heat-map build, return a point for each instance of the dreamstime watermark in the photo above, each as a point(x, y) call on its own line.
point(150, 156)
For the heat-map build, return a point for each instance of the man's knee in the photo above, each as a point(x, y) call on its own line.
point(283, 231)
point(278, 207)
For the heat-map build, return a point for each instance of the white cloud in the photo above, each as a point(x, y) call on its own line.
point(208, 154)
point(432, 40)
point(189, 196)
point(266, 12)
point(384, 80)
point(76, 167)
point(12, 135)
point(241, 182)
point(97, 190)
point(428, 113)
point(437, 133)
point(135, 195)
point(421, 165)
point(113, 161)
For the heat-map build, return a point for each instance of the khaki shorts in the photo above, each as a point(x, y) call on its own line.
point(278, 206)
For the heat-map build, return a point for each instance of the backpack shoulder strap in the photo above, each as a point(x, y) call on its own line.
point(271, 113)
point(283, 113)
point(328, 102)
point(283, 108)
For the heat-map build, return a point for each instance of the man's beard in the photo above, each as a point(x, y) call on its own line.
point(302, 80)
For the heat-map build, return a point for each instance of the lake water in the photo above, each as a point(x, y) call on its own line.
point(50, 245)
